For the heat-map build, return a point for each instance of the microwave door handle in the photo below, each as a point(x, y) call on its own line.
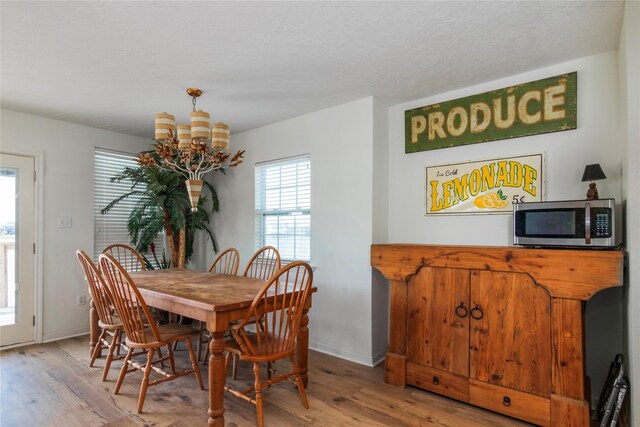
point(587, 223)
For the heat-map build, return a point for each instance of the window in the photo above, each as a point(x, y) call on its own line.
point(112, 227)
point(283, 207)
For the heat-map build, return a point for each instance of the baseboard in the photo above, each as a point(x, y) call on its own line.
point(352, 356)
point(69, 333)
point(379, 358)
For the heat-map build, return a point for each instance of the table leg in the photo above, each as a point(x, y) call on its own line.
point(303, 346)
point(217, 378)
point(94, 329)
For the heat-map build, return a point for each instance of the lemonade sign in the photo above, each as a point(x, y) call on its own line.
point(487, 186)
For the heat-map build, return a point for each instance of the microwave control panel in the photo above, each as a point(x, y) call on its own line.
point(602, 222)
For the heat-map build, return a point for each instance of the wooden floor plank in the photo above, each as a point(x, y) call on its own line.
point(51, 385)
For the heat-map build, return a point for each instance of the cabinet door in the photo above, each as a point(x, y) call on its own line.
point(437, 337)
point(511, 343)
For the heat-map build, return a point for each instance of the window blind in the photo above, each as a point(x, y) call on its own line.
point(283, 207)
point(112, 227)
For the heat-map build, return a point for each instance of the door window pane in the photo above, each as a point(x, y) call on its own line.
point(8, 191)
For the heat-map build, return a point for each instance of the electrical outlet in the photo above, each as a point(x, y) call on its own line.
point(81, 300)
point(64, 222)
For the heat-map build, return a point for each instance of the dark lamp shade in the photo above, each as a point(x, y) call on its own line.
point(593, 173)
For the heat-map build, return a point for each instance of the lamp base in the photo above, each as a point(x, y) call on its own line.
point(592, 193)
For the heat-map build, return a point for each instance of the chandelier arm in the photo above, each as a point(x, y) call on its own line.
point(176, 166)
point(213, 166)
point(199, 167)
point(211, 163)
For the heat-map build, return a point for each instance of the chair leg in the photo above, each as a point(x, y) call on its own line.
point(234, 368)
point(119, 346)
point(123, 370)
point(227, 357)
point(194, 364)
point(299, 383)
point(145, 380)
point(159, 351)
point(205, 362)
point(200, 338)
point(115, 342)
point(97, 348)
point(172, 362)
point(258, 386)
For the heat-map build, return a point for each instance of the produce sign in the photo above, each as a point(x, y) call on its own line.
point(487, 186)
point(548, 105)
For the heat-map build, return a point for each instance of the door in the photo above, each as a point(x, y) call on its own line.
point(438, 325)
point(510, 332)
point(17, 247)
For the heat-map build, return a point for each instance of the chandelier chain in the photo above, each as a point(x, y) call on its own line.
point(193, 101)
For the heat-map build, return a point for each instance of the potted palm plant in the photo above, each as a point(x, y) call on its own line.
point(164, 204)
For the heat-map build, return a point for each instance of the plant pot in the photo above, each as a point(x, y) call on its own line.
point(194, 188)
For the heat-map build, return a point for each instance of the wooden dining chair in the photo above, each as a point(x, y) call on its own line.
point(143, 333)
point(279, 305)
point(110, 325)
point(263, 264)
point(227, 262)
point(127, 256)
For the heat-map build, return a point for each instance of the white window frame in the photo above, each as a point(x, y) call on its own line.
point(301, 207)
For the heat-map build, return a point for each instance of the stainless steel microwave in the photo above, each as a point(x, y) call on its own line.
point(582, 223)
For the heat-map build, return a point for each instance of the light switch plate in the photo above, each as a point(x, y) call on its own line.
point(64, 222)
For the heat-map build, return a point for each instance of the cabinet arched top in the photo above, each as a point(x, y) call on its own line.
point(574, 274)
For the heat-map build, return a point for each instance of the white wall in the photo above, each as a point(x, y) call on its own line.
point(339, 140)
point(594, 141)
point(629, 56)
point(380, 218)
point(67, 150)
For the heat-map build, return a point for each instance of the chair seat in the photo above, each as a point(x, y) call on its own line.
point(260, 354)
point(116, 323)
point(169, 333)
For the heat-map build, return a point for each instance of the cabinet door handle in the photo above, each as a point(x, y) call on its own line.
point(436, 380)
point(462, 311)
point(476, 312)
point(506, 401)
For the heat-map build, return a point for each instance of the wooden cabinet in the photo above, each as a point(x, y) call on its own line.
point(500, 328)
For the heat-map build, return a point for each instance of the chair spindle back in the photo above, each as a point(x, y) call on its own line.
point(226, 262)
point(263, 264)
point(279, 306)
point(97, 288)
point(131, 307)
point(127, 256)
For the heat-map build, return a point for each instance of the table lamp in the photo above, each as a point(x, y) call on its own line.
point(592, 173)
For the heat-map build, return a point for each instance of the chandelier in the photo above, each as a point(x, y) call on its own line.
point(191, 149)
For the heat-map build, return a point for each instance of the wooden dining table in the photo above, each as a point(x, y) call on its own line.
point(216, 299)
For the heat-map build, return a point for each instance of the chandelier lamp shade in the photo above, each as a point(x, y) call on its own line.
point(192, 149)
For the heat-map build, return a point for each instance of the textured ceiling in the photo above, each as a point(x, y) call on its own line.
point(112, 65)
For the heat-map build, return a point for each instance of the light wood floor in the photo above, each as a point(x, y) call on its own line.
point(51, 384)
